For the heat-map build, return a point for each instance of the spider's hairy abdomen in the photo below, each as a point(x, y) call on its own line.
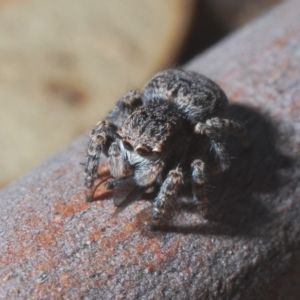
point(196, 96)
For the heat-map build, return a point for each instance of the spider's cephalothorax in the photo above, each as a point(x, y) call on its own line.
point(161, 139)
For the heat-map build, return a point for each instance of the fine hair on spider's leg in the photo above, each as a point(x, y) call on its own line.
point(199, 178)
point(233, 127)
point(213, 129)
point(168, 193)
point(216, 139)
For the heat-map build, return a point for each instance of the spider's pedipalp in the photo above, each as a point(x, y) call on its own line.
point(148, 174)
point(118, 162)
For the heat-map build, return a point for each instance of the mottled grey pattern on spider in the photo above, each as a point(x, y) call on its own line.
point(161, 139)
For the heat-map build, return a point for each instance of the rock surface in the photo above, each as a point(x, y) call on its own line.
point(54, 245)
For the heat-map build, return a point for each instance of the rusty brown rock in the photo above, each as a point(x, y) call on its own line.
point(55, 245)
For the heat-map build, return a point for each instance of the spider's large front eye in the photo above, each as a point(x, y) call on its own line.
point(143, 150)
point(127, 145)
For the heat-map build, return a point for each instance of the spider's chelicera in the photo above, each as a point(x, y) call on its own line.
point(162, 139)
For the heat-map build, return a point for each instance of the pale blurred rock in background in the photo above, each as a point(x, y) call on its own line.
point(65, 62)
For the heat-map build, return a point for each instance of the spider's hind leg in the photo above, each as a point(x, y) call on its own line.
point(217, 142)
point(125, 106)
point(232, 127)
point(214, 129)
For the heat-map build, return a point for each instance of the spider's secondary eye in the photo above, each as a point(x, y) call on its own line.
point(143, 150)
point(127, 145)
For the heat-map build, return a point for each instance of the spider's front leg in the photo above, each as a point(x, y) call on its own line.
point(167, 194)
point(199, 177)
point(100, 140)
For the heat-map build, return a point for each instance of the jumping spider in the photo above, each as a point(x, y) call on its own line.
point(162, 139)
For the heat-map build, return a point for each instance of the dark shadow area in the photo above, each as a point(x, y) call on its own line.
point(205, 31)
point(213, 20)
point(236, 197)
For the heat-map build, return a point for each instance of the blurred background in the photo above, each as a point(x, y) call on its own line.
point(64, 63)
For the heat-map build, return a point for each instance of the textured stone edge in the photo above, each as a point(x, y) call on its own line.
point(54, 245)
